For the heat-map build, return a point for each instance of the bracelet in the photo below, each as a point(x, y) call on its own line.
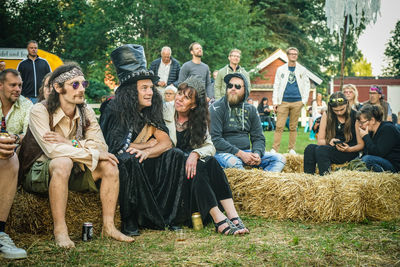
point(17, 139)
point(75, 143)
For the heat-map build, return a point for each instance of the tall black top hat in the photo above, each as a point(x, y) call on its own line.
point(130, 63)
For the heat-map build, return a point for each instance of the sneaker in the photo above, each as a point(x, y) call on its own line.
point(272, 151)
point(8, 249)
point(292, 152)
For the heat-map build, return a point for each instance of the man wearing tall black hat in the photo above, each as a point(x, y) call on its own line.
point(133, 127)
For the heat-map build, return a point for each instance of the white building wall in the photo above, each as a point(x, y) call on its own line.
point(393, 97)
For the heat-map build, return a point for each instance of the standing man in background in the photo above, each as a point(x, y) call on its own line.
point(197, 68)
point(232, 67)
point(167, 68)
point(291, 90)
point(33, 69)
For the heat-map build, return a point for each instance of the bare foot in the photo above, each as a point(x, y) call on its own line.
point(63, 240)
point(112, 232)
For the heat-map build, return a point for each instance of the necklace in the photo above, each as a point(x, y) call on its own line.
point(180, 126)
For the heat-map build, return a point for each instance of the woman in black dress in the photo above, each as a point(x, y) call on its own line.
point(187, 120)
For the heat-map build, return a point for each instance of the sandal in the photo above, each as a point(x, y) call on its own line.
point(231, 228)
point(240, 224)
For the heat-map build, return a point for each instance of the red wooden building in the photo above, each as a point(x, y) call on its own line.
point(390, 86)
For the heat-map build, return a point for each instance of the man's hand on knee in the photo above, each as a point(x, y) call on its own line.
point(105, 156)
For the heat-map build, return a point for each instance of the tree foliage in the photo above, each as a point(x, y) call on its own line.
point(392, 52)
point(87, 31)
point(302, 24)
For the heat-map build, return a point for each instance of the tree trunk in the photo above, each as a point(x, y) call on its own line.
point(343, 53)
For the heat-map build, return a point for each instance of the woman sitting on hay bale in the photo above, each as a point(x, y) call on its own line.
point(187, 120)
point(339, 137)
point(382, 140)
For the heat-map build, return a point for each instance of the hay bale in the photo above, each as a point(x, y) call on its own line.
point(295, 164)
point(339, 196)
point(31, 213)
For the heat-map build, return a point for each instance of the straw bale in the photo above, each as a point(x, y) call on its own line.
point(295, 163)
point(339, 196)
point(31, 213)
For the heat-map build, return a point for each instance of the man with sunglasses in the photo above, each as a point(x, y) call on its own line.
point(291, 90)
point(236, 130)
point(376, 98)
point(14, 108)
point(64, 145)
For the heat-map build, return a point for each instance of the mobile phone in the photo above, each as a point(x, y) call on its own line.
point(338, 142)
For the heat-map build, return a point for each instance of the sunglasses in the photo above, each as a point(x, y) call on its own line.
point(338, 101)
point(237, 86)
point(75, 85)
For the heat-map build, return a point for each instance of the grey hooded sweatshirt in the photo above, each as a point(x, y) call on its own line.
point(236, 127)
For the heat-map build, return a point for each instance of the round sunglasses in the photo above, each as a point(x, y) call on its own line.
point(76, 84)
point(237, 86)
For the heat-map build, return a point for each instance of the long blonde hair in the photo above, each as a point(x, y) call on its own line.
point(354, 88)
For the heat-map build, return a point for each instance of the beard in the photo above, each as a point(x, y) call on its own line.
point(235, 99)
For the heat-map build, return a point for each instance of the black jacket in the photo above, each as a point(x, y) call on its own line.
point(31, 82)
point(385, 143)
point(173, 71)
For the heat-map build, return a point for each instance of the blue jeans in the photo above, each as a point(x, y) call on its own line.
point(378, 164)
point(272, 162)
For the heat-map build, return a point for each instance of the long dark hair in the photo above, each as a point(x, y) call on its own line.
point(126, 105)
point(331, 123)
point(199, 119)
point(41, 89)
point(53, 102)
point(261, 104)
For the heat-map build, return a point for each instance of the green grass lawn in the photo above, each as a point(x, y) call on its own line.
point(270, 243)
point(301, 142)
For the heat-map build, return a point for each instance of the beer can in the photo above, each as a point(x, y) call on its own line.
point(196, 221)
point(87, 231)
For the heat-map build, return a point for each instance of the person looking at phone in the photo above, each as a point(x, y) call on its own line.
point(339, 137)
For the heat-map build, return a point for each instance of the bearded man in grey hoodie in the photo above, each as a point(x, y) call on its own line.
point(236, 130)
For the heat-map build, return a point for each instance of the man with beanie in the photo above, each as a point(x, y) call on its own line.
point(236, 130)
